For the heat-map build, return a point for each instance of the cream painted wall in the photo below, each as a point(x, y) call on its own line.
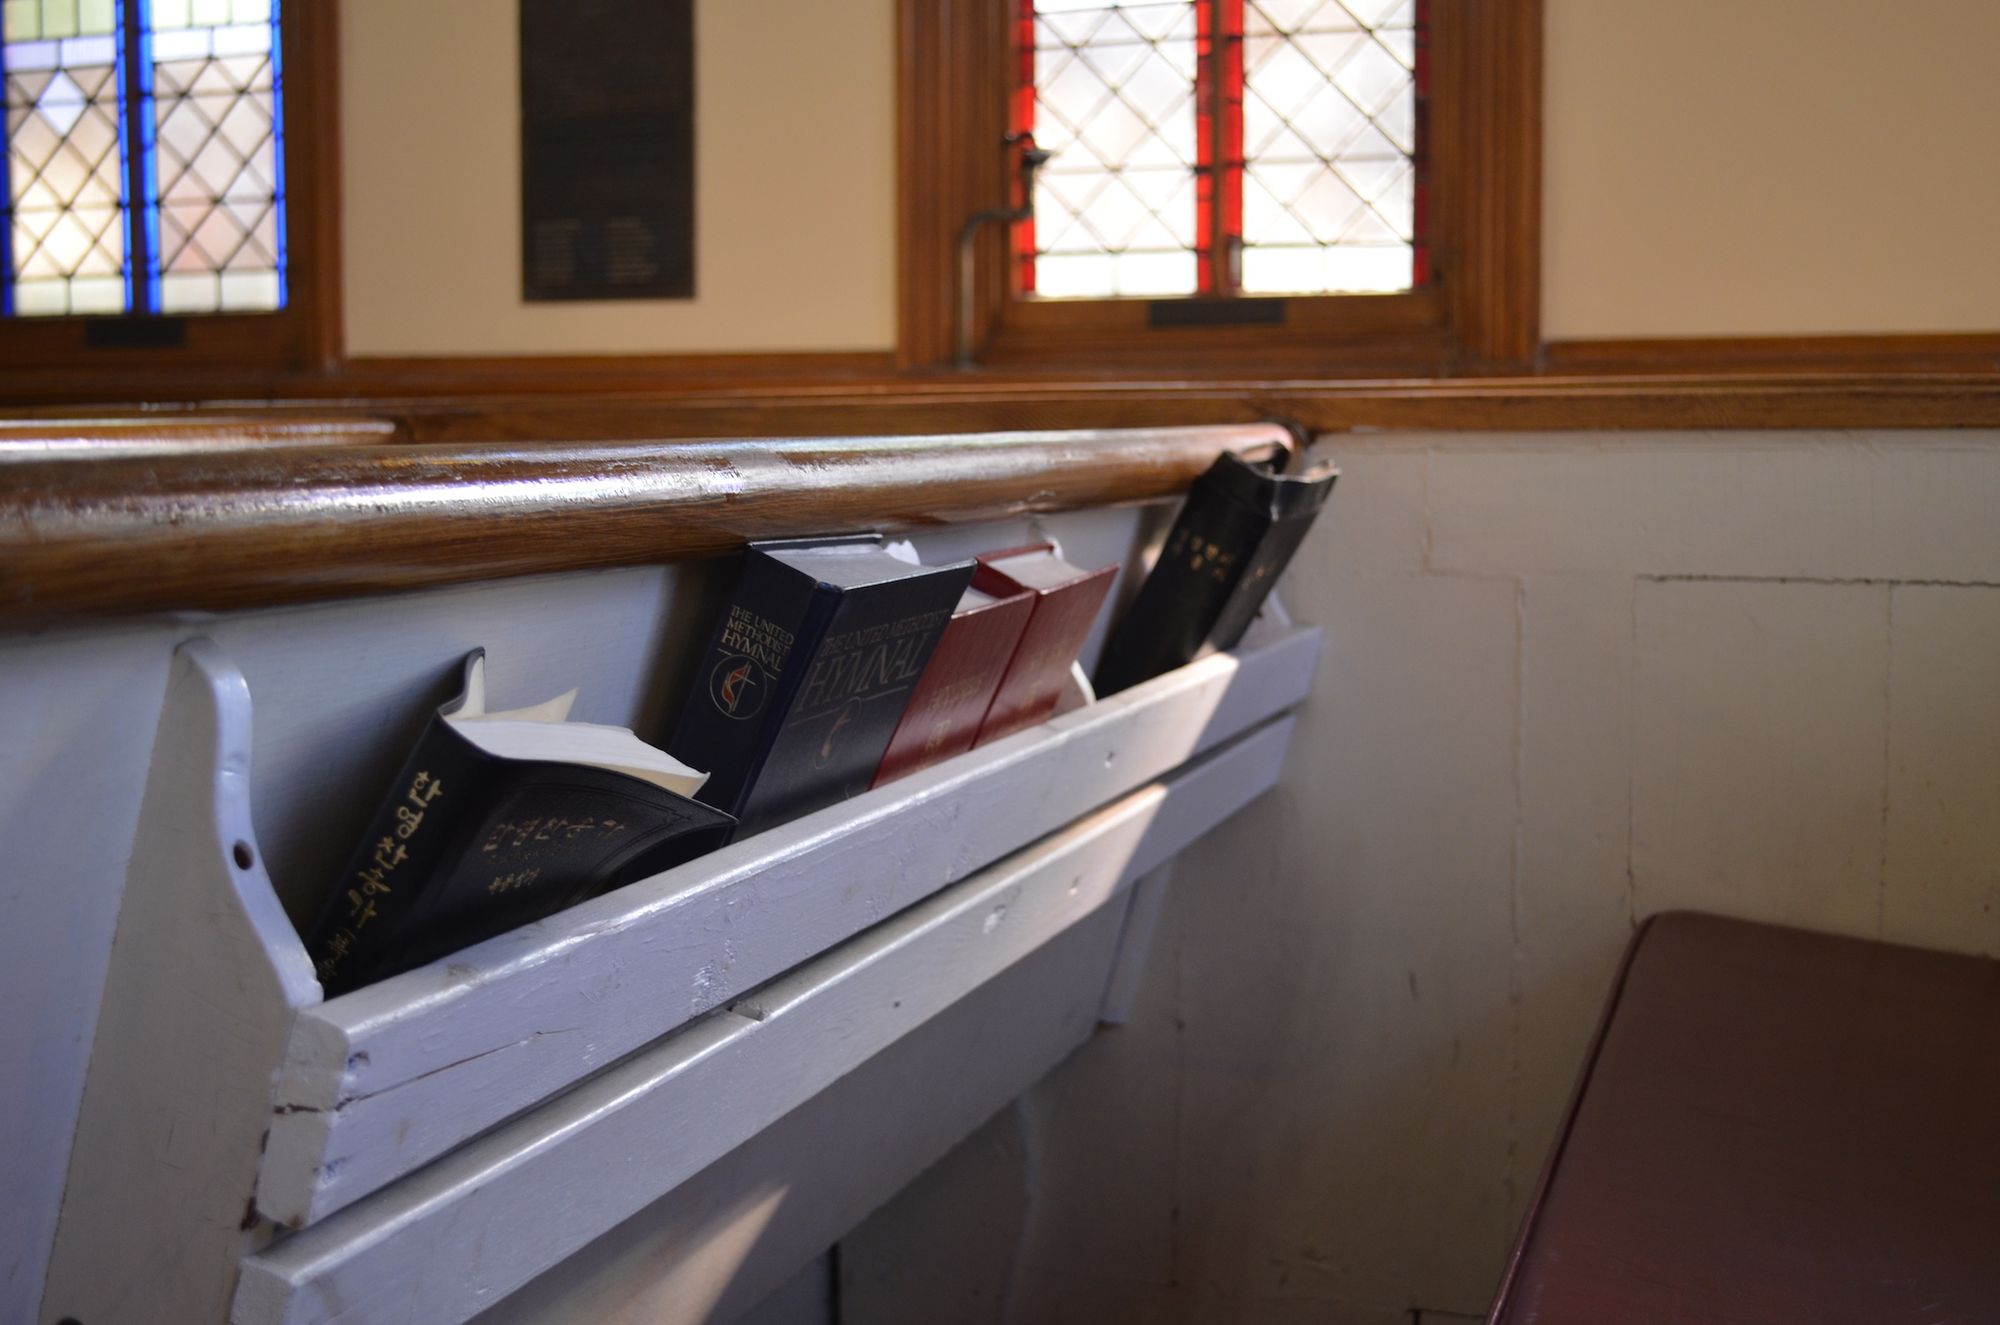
point(1768, 167)
point(795, 187)
point(1714, 168)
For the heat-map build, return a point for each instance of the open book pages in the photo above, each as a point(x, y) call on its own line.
point(543, 731)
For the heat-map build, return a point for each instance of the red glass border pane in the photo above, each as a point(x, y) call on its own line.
point(1022, 120)
point(1229, 181)
point(1218, 142)
point(1220, 164)
point(1420, 160)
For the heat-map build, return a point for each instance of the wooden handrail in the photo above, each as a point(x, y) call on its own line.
point(216, 530)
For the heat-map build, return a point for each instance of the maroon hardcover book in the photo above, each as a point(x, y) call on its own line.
point(952, 696)
point(1067, 601)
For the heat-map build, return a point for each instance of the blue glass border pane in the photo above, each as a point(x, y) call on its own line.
point(141, 270)
point(283, 255)
point(8, 276)
point(7, 199)
point(125, 116)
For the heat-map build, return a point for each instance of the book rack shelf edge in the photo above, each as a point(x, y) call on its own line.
point(383, 1079)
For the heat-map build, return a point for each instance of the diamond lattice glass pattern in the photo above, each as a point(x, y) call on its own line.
point(65, 228)
point(1330, 140)
point(1115, 103)
point(216, 183)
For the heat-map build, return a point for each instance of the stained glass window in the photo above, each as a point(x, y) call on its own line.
point(1115, 102)
point(145, 163)
point(1223, 146)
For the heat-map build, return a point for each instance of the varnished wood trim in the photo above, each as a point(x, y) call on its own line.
point(576, 375)
point(895, 404)
point(1472, 404)
point(1485, 185)
point(219, 530)
point(254, 353)
point(1487, 178)
point(312, 35)
point(1943, 353)
point(951, 115)
point(87, 438)
point(1360, 315)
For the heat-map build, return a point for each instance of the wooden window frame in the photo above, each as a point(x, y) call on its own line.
point(1479, 314)
point(126, 353)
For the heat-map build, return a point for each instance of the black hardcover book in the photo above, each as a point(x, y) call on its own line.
point(808, 673)
point(497, 819)
point(1239, 527)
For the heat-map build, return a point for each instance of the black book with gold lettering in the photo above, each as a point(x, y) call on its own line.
point(1240, 525)
point(497, 819)
point(808, 673)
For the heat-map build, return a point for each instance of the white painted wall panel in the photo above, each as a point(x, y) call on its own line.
point(1941, 869)
point(1810, 505)
point(1759, 714)
point(1573, 907)
point(1529, 638)
point(1346, 1006)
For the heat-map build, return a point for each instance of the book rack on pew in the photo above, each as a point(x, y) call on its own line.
point(421, 1148)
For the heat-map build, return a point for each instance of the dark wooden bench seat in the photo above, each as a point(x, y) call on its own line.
point(1775, 1127)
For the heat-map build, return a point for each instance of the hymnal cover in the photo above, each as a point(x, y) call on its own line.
point(808, 673)
point(497, 819)
point(1239, 527)
point(1067, 601)
point(951, 698)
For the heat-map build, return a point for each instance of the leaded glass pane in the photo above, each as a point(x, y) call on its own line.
point(170, 109)
point(1329, 146)
point(1115, 103)
point(216, 190)
point(65, 222)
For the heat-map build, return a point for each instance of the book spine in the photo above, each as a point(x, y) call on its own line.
point(956, 688)
point(1267, 562)
point(1205, 556)
point(365, 918)
point(546, 836)
point(858, 680)
point(741, 687)
point(1039, 669)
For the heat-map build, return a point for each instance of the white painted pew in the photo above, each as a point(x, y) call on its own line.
point(444, 1136)
point(390, 1076)
point(478, 1224)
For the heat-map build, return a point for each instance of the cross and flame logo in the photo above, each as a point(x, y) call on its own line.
point(737, 688)
point(844, 717)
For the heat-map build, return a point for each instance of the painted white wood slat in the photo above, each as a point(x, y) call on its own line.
point(204, 975)
point(458, 1236)
point(719, 1242)
point(387, 1078)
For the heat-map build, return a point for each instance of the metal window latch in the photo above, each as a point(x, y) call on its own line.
point(1032, 160)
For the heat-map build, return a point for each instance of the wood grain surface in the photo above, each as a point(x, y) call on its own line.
point(85, 438)
point(982, 401)
point(214, 530)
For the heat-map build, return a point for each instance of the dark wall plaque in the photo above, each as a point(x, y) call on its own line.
point(607, 149)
